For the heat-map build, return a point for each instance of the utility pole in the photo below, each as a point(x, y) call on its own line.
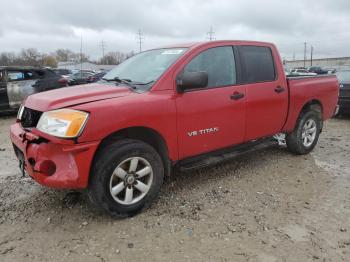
point(81, 54)
point(103, 46)
point(312, 51)
point(103, 49)
point(305, 53)
point(294, 56)
point(211, 34)
point(139, 39)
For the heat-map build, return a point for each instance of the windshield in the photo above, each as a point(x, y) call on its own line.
point(146, 67)
point(343, 76)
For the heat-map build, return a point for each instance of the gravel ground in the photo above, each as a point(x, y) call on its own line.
point(265, 206)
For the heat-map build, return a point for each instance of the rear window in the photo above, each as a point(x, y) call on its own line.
point(258, 63)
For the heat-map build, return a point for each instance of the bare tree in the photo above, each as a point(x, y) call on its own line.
point(32, 57)
point(114, 58)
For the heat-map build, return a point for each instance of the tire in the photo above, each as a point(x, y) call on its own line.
point(116, 170)
point(296, 140)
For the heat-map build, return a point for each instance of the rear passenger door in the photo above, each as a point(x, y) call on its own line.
point(266, 91)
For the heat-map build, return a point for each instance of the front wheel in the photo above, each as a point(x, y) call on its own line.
point(305, 136)
point(126, 177)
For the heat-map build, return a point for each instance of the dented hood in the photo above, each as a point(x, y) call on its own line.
point(74, 95)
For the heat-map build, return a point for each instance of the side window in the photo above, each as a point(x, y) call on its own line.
point(19, 75)
point(259, 64)
point(218, 62)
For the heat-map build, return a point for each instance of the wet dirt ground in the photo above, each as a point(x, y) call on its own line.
point(265, 206)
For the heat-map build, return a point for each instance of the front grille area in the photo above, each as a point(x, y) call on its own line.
point(30, 117)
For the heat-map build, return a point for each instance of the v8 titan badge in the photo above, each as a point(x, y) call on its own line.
point(203, 131)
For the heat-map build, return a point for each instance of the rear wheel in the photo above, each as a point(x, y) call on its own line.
point(305, 136)
point(126, 177)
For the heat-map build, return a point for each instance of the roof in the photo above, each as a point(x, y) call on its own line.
point(216, 42)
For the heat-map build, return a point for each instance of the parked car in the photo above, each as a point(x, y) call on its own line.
point(330, 70)
point(318, 70)
point(16, 83)
point(96, 77)
point(66, 73)
point(344, 92)
point(184, 107)
point(80, 78)
point(301, 72)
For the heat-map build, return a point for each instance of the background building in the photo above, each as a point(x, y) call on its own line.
point(336, 63)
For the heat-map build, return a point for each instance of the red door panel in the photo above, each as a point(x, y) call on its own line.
point(209, 119)
point(266, 91)
point(266, 109)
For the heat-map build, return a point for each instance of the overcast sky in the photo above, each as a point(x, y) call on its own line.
point(51, 24)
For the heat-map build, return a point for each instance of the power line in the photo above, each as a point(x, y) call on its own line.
point(211, 34)
point(139, 39)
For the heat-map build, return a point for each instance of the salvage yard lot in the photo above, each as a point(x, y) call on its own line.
point(265, 206)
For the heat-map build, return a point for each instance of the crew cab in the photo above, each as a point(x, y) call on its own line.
point(182, 106)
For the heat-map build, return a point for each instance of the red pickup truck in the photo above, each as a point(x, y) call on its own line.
point(180, 106)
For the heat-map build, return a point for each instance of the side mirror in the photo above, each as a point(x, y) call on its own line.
point(191, 80)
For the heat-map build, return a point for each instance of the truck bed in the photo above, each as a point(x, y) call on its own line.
point(323, 89)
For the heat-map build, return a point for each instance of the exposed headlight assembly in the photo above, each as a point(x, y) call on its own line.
point(65, 123)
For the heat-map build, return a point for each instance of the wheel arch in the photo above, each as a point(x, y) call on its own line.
point(144, 134)
point(314, 105)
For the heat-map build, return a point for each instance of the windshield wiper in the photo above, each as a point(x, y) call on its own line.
point(120, 81)
point(143, 84)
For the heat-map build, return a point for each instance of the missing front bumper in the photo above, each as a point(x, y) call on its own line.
point(52, 164)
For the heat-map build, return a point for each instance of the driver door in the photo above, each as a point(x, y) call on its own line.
point(213, 117)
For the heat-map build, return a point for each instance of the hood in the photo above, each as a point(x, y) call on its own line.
point(74, 95)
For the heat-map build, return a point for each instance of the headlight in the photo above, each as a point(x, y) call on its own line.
point(66, 123)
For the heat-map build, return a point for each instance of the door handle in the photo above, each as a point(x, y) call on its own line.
point(237, 96)
point(279, 89)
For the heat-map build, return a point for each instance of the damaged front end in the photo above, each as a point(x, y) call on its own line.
point(51, 161)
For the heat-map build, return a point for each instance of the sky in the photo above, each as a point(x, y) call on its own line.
point(50, 24)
